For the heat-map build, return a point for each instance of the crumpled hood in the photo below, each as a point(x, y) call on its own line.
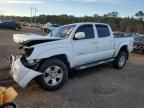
point(32, 39)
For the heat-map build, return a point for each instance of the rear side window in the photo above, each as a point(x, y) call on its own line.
point(88, 30)
point(103, 31)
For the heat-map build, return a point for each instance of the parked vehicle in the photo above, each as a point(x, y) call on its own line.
point(24, 23)
point(48, 27)
point(139, 43)
point(1, 21)
point(49, 59)
point(10, 25)
point(121, 34)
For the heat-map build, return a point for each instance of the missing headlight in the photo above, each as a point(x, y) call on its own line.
point(28, 51)
point(33, 62)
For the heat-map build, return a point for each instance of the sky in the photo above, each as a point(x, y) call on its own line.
point(71, 7)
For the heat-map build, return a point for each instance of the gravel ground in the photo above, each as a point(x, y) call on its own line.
point(98, 87)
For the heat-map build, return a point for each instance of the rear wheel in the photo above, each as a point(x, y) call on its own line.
point(55, 74)
point(120, 60)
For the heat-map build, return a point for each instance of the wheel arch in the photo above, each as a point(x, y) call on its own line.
point(62, 57)
point(124, 48)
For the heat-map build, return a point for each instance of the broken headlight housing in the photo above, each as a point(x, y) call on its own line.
point(28, 51)
point(33, 62)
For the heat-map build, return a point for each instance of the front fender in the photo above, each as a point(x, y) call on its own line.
point(54, 52)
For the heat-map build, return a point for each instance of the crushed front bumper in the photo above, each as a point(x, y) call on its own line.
point(21, 74)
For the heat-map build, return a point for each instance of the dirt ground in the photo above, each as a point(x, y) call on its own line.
point(98, 87)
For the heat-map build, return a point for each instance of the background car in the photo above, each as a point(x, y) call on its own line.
point(48, 27)
point(10, 25)
point(122, 34)
point(139, 43)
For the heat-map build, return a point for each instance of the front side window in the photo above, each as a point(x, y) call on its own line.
point(103, 31)
point(88, 30)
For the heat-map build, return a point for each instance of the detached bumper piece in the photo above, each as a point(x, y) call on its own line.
point(21, 74)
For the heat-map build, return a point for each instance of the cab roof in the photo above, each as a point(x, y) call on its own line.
point(82, 23)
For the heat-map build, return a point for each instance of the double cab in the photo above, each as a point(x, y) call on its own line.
point(50, 59)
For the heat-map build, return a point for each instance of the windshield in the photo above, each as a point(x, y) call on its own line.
point(62, 32)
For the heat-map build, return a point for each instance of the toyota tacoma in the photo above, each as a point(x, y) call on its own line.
point(50, 59)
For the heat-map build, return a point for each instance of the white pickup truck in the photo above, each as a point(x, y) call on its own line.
point(50, 59)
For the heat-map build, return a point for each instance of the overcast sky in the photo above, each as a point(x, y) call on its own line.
point(71, 7)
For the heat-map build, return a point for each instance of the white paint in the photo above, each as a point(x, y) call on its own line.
point(78, 52)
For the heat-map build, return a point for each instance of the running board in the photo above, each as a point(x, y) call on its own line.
point(81, 67)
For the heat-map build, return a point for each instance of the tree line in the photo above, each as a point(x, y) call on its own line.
point(127, 24)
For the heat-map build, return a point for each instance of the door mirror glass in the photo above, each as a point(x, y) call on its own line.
point(80, 35)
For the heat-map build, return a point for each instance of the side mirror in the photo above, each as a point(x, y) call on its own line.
point(79, 35)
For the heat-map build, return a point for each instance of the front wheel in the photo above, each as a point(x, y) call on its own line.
point(120, 60)
point(55, 74)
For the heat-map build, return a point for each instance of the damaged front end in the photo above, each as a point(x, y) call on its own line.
point(24, 68)
point(23, 71)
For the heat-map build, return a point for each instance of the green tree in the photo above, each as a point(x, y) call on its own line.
point(113, 14)
point(140, 15)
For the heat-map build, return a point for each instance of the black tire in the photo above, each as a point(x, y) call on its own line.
point(48, 64)
point(116, 63)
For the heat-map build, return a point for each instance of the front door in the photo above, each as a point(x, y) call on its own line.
point(85, 49)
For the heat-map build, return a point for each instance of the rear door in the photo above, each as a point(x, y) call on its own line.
point(85, 49)
point(105, 41)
